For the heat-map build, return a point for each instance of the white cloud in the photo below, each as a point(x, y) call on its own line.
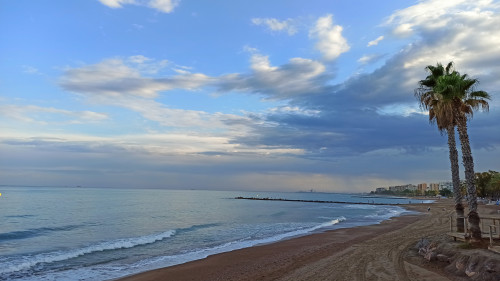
point(434, 14)
point(146, 65)
point(116, 3)
point(261, 63)
point(366, 59)
point(330, 43)
point(400, 110)
point(170, 117)
point(297, 77)
point(293, 78)
point(45, 115)
point(30, 69)
point(403, 30)
point(164, 6)
point(459, 31)
point(376, 41)
point(294, 110)
point(276, 25)
point(116, 77)
point(138, 26)
point(121, 83)
point(139, 59)
point(110, 77)
point(250, 50)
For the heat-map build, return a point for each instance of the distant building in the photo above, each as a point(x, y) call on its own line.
point(401, 188)
point(447, 184)
point(434, 186)
point(395, 188)
point(411, 187)
point(380, 189)
point(422, 188)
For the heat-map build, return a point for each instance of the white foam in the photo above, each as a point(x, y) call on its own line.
point(387, 213)
point(27, 262)
point(105, 272)
point(362, 206)
point(115, 271)
point(227, 247)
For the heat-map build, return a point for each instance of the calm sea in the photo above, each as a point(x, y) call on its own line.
point(99, 234)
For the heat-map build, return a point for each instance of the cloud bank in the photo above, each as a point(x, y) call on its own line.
point(348, 135)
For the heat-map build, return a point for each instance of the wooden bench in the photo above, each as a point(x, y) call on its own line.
point(495, 249)
point(459, 235)
point(490, 227)
point(493, 223)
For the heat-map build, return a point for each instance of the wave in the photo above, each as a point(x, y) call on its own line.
point(363, 207)
point(28, 262)
point(197, 227)
point(108, 271)
point(328, 223)
point(165, 261)
point(34, 232)
point(20, 216)
point(386, 213)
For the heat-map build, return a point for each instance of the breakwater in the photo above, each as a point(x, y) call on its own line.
point(310, 201)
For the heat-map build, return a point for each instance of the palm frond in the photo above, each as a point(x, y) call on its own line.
point(449, 67)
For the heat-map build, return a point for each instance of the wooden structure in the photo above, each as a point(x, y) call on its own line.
point(490, 229)
point(454, 233)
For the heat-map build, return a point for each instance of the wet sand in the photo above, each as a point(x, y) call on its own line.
point(375, 252)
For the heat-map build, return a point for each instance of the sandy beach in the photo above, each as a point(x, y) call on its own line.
point(376, 252)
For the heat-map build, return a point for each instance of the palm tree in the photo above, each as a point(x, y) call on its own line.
point(441, 112)
point(459, 89)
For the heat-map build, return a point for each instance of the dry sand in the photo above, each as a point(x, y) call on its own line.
point(376, 252)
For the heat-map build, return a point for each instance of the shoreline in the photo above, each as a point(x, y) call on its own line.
point(285, 259)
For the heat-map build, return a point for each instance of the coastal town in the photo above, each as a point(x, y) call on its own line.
point(488, 187)
point(421, 189)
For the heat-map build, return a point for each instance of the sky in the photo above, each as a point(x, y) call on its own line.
point(281, 95)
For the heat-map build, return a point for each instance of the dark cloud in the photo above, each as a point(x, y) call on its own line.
point(351, 119)
point(346, 133)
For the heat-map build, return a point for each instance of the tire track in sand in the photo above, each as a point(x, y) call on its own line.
point(380, 258)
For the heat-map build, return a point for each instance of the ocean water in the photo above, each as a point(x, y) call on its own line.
point(100, 234)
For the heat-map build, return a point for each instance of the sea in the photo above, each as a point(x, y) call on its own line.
point(55, 233)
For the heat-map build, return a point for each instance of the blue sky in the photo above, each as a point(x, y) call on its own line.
point(256, 95)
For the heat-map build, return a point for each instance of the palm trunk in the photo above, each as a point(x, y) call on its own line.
point(469, 176)
point(455, 177)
